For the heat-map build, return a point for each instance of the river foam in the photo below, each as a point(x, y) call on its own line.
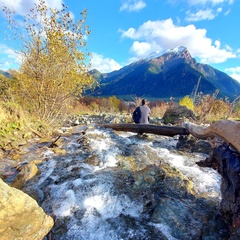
point(83, 197)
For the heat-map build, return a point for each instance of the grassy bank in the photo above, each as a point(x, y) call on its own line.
point(18, 126)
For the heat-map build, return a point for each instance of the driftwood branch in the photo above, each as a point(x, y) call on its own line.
point(36, 133)
point(148, 128)
point(228, 131)
point(53, 143)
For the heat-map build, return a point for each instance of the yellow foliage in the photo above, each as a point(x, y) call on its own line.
point(53, 67)
point(115, 102)
point(188, 102)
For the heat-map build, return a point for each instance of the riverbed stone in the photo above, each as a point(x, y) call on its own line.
point(27, 172)
point(192, 144)
point(20, 216)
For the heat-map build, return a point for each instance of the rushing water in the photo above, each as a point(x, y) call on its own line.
point(78, 186)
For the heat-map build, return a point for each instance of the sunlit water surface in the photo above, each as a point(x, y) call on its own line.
point(91, 197)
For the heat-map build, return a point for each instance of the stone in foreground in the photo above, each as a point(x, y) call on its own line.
point(20, 216)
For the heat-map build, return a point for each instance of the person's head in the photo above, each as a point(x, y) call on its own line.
point(143, 102)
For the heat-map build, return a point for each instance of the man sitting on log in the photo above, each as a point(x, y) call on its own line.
point(141, 113)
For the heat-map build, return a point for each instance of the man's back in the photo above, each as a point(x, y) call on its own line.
point(141, 113)
point(144, 114)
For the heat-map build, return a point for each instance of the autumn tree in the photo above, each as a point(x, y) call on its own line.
point(54, 58)
point(114, 103)
point(4, 86)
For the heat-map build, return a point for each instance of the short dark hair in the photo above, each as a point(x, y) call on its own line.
point(143, 102)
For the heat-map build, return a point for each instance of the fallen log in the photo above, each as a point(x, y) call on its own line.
point(148, 128)
point(227, 130)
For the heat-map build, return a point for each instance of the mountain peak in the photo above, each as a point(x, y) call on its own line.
point(181, 52)
point(178, 50)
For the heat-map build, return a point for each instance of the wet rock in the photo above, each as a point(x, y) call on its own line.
point(27, 171)
point(59, 151)
point(8, 170)
point(227, 163)
point(148, 176)
point(20, 216)
point(178, 114)
point(187, 220)
point(192, 144)
point(168, 199)
point(176, 183)
point(93, 160)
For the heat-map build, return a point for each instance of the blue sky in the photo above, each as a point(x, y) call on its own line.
point(124, 31)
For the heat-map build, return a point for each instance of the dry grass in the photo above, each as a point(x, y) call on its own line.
point(209, 109)
point(159, 111)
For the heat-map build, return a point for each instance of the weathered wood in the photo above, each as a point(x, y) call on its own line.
point(227, 130)
point(148, 128)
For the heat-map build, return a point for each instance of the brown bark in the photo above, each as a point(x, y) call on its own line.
point(148, 128)
point(228, 131)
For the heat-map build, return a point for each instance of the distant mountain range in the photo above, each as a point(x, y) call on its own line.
point(173, 74)
point(6, 74)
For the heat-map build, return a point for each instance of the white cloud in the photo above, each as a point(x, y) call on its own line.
point(133, 5)
point(104, 65)
point(22, 7)
point(9, 58)
point(141, 48)
point(153, 36)
point(200, 15)
point(217, 43)
point(212, 2)
point(234, 73)
point(227, 12)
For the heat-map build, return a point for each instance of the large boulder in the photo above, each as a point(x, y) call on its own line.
point(177, 114)
point(20, 216)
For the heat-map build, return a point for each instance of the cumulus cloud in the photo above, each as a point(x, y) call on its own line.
point(207, 14)
point(133, 5)
point(104, 65)
point(9, 58)
point(234, 73)
point(153, 36)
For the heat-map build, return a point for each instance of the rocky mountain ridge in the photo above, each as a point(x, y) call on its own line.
point(172, 74)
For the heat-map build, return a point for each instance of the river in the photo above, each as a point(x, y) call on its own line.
point(99, 184)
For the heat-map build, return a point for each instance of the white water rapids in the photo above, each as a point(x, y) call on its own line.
point(82, 196)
